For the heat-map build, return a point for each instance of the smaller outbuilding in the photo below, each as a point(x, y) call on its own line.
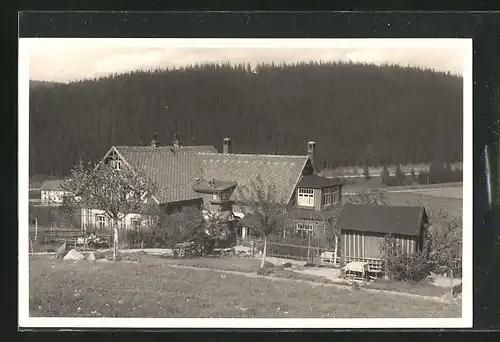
point(363, 228)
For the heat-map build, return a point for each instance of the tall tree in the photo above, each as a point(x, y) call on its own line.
point(115, 192)
point(400, 177)
point(268, 213)
point(366, 171)
point(385, 176)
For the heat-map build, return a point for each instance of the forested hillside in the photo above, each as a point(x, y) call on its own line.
point(356, 113)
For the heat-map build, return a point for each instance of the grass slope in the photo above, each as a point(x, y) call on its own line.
point(67, 289)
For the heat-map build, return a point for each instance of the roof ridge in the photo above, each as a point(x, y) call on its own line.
point(388, 205)
point(253, 155)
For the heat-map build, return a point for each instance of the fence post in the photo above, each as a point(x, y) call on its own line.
point(451, 280)
point(336, 250)
point(142, 245)
point(309, 247)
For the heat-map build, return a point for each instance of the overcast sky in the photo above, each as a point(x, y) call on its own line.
point(76, 58)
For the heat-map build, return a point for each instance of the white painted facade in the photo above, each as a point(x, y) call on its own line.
point(52, 197)
point(97, 219)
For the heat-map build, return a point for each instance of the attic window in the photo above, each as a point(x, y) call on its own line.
point(118, 165)
point(306, 197)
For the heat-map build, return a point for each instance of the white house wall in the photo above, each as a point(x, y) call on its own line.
point(52, 196)
point(90, 221)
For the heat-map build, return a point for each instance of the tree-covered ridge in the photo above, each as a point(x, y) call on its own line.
point(356, 113)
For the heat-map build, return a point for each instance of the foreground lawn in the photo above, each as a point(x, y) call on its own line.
point(252, 265)
point(67, 289)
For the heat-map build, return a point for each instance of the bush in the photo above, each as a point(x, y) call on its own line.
point(402, 266)
point(267, 269)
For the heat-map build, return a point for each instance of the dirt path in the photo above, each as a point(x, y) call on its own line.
point(313, 283)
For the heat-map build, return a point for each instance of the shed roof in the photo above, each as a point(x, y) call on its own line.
point(402, 220)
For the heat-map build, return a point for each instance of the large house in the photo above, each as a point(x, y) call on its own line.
point(200, 175)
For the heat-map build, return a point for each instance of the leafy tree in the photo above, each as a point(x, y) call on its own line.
point(185, 225)
point(366, 172)
point(268, 213)
point(444, 237)
point(400, 177)
point(413, 175)
point(437, 171)
point(400, 265)
point(385, 176)
point(116, 192)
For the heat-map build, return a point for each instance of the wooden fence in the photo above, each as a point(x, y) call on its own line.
point(73, 239)
point(292, 246)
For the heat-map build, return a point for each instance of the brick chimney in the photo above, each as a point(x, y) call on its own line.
point(155, 142)
point(227, 146)
point(311, 148)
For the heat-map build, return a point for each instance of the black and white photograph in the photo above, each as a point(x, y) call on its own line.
point(283, 183)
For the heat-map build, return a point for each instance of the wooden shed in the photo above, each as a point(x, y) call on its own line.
point(364, 226)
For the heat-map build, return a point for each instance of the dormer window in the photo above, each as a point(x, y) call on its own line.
point(305, 197)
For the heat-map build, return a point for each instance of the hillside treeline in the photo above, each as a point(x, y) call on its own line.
point(357, 114)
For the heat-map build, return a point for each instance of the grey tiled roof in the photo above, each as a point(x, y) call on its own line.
point(281, 171)
point(173, 172)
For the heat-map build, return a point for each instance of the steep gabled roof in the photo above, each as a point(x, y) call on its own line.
point(201, 148)
point(173, 171)
point(387, 219)
point(281, 171)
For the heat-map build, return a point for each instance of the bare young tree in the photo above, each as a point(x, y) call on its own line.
point(115, 192)
point(267, 210)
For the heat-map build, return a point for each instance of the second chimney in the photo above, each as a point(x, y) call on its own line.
point(155, 142)
point(227, 146)
point(311, 148)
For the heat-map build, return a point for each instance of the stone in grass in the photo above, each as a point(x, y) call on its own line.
point(91, 256)
point(74, 255)
point(102, 260)
point(61, 251)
